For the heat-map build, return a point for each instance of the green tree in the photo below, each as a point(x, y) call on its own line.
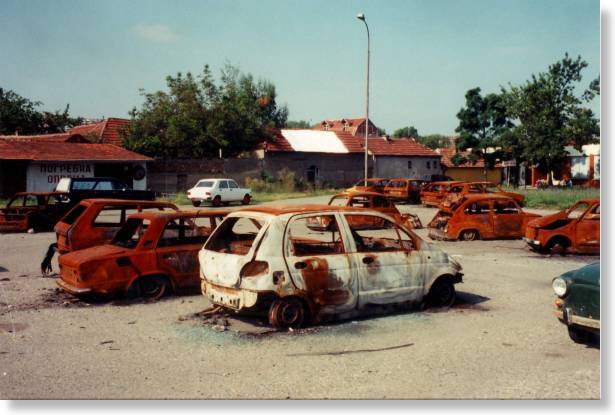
point(549, 115)
point(381, 131)
point(434, 141)
point(198, 116)
point(301, 124)
point(482, 124)
point(406, 132)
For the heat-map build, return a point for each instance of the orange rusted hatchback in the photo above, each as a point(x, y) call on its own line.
point(153, 253)
point(377, 202)
point(404, 190)
point(574, 230)
point(434, 193)
point(480, 216)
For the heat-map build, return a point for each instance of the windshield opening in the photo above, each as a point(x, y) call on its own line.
point(130, 234)
point(234, 236)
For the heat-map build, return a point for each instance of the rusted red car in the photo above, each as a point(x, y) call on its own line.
point(480, 216)
point(434, 193)
point(33, 210)
point(573, 230)
point(153, 253)
point(374, 184)
point(377, 202)
point(404, 190)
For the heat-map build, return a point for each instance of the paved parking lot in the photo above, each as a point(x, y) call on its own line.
point(501, 340)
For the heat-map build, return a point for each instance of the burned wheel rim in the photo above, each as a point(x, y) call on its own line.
point(287, 312)
point(217, 201)
point(469, 235)
point(246, 200)
point(442, 294)
point(196, 203)
point(152, 288)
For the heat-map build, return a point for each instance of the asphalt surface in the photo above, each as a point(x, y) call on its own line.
point(500, 340)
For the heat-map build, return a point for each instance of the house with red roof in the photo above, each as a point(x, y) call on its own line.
point(468, 171)
point(107, 131)
point(38, 162)
point(335, 158)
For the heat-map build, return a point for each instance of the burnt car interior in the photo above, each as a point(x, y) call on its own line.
point(130, 234)
point(234, 236)
point(186, 231)
point(477, 208)
point(115, 216)
point(305, 240)
point(378, 237)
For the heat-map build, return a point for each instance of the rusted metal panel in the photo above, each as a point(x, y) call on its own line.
point(317, 272)
point(433, 193)
point(406, 190)
point(480, 216)
point(574, 230)
point(37, 210)
point(152, 253)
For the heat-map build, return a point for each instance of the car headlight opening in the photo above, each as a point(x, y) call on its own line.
point(560, 287)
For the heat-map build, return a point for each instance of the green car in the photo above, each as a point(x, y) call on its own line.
point(578, 302)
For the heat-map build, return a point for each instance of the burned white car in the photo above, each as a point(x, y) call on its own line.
point(269, 260)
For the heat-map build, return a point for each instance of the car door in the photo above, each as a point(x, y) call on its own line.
point(224, 190)
point(507, 219)
point(318, 262)
point(389, 265)
point(234, 191)
point(587, 231)
point(477, 215)
point(177, 252)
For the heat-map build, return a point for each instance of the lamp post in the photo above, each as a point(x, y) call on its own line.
point(361, 16)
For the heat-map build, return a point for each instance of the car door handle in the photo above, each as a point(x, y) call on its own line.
point(368, 259)
point(300, 265)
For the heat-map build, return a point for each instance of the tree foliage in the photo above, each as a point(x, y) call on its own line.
point(20, 115)
point(406, 132)
point(434, 141)
point(549, 114)
point(300, 124)
point(482, 124)
point(198, 116)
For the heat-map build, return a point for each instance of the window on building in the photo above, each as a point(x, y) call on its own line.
point(428, 165)
point(409, 164)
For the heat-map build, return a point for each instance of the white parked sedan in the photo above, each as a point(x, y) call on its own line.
point(270, 260)
point(218, 192)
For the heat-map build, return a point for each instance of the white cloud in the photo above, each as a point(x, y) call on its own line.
point(155, 32)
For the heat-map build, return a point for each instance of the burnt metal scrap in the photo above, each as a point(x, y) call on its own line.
point(275, 262)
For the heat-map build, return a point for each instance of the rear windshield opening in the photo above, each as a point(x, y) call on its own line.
point(74, 213)
point(235, 236)
point(207, 183)
point(130, 234)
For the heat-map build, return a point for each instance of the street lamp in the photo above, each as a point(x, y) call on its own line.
point(361, 16)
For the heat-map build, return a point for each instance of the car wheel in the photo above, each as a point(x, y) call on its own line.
point(469, 235)
point(196, 203)
point(246, 200)
point(287, 313)
point(217, 201)
point(577, 335)
point(442, 293)
point(152, 288)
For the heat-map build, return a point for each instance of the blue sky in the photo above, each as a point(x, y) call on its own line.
point(426, 54)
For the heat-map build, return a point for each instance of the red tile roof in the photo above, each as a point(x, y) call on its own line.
point(52, 138)
point(351, 125)
point(11, 149)
point(448, 152)
point(107, 131)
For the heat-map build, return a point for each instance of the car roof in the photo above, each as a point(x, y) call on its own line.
point(405, 179)
point(116, 202)
point(181, 214)
point(313, 208)
point(588, 200)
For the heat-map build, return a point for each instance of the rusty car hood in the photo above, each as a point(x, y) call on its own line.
point(541, 221)
point(94, 253)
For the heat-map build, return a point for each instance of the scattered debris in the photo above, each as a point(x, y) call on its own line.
point(106, 342)
point(5, 279)
point(342, 352)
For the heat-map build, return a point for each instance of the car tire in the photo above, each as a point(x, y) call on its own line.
point(217, 202)
point(577, 335)
point(287, 313)
point(469, 235)
point(442, 293)
point(246, 200)
point(196, 203)
point(152, 288)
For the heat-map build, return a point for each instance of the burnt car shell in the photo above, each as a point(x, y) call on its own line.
point(150, 254)
point(573, 230)
point(268, 268)
point(37, 210)
point(480, 216)
point(406, 190)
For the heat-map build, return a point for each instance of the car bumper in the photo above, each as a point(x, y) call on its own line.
point(68, 287)
point(440, 235)
point(234, 298)
point(567, 317)
point(532, 242)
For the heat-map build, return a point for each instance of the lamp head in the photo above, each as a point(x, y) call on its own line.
point(361, 16)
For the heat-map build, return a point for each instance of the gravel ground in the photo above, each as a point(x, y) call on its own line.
point(500, 340)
